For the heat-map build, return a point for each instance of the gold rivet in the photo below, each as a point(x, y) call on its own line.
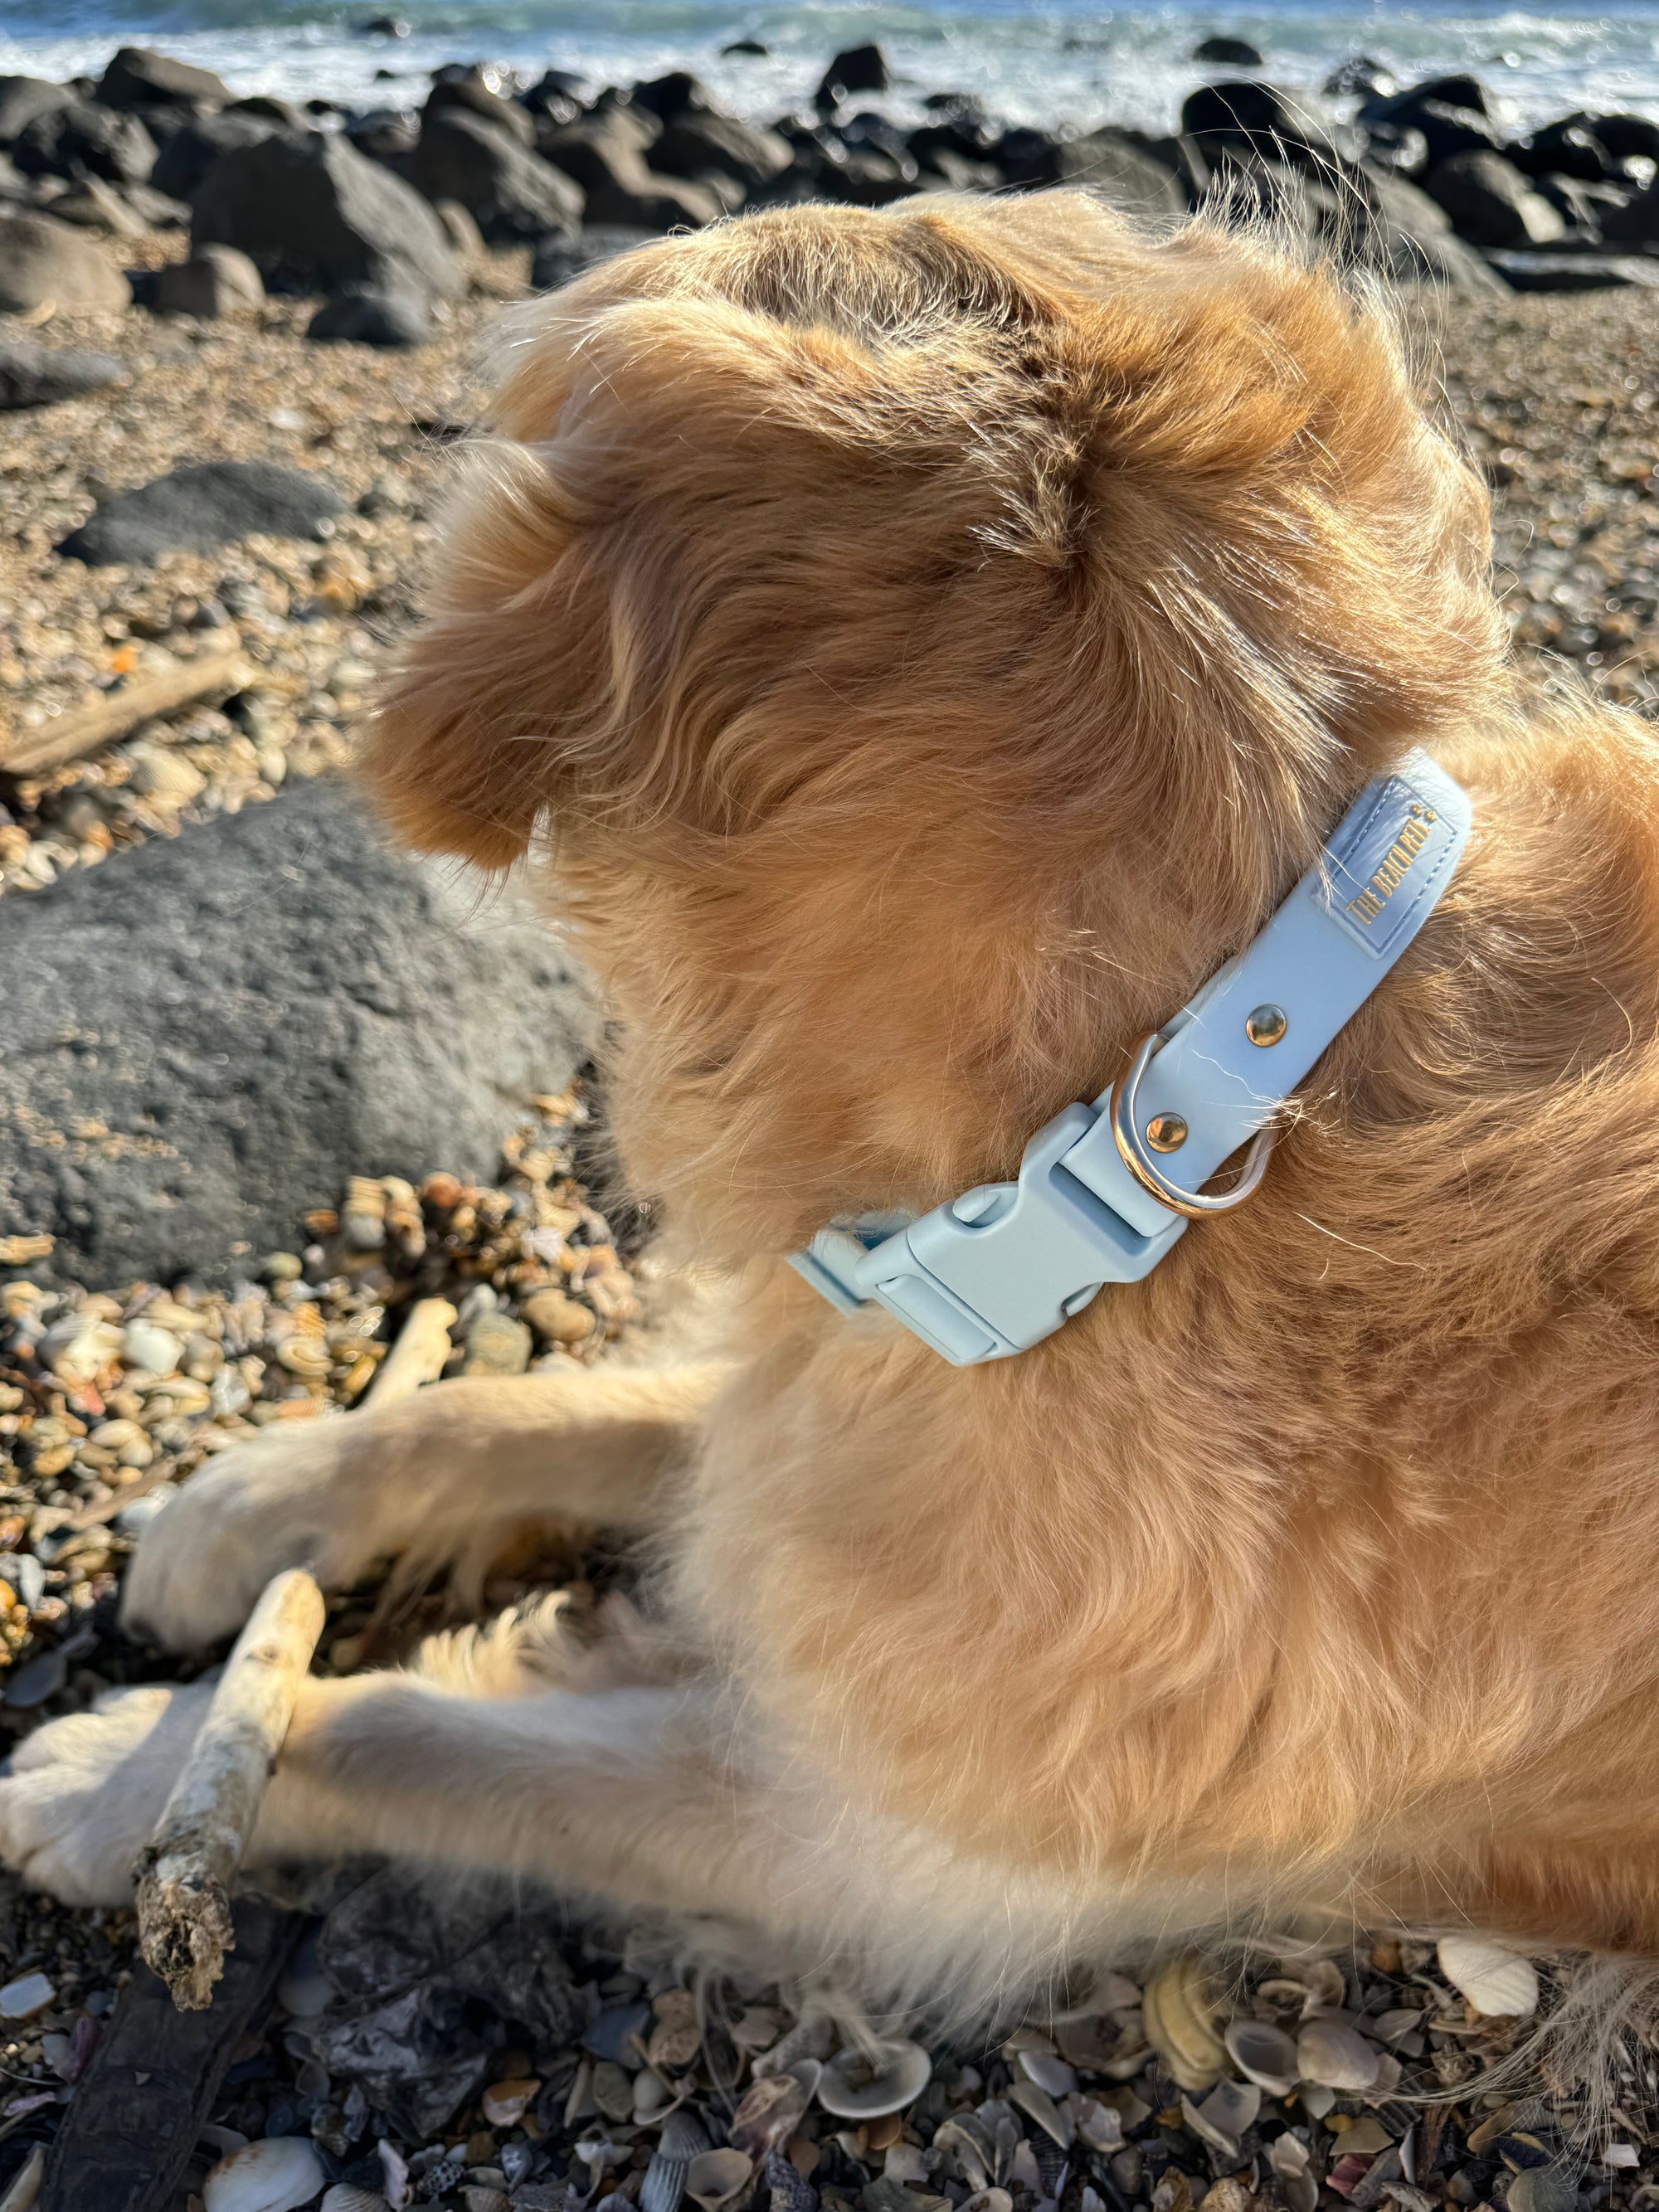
point(1265, 1025)
point(1166, 1132)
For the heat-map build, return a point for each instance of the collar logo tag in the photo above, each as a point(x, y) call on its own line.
point(1374, 883)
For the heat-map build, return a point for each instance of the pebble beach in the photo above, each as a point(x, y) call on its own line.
point(402, 2053)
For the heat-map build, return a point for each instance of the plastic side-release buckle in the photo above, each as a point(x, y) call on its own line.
point(998, 1269)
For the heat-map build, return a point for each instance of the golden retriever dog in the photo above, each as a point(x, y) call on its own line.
point(924, 646)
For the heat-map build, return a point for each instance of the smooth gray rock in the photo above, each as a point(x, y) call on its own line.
point(183, 164)
point(310, 208)
point(216, 280)
point(86, 140)
point(23, 97)
point(33, 375)
point(510, 193)
point(42, 260)
point(363, 316)
point(1492, 203)
point(139, 77)
point(253, 1010)
point(208, 504)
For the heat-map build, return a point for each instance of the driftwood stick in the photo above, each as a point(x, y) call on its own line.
point(186, 1871)
point(417, 1356)
point(117, 712)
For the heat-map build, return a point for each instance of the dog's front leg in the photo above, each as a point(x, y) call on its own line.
point(438, 1471)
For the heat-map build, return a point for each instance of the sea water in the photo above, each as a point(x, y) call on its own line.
point(1032, 61)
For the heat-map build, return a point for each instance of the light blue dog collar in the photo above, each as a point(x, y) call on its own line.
point(997, 1270)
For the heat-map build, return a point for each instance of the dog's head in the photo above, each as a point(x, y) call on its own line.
point(930, 639)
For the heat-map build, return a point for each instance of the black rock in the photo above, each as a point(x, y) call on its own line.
point(32, 376)
point(1460, 90)
point(1492, 203)
point(23, 97)
point(606, 154)
point(1567, 149)
point(310, 208)
point(383, 26)
point(385, 134)
point(1107, 162)
point(474, 96)
point(1390, 146)
point(188, 156)
point(137, 77)
point(756, 46)
point(270, 109)
point(363, 316)
point(1243, 115)
point(692, 143)
point(1451, 112)
point(86, 140)
point(1359, 75)
point(1584, 207)
point(206, 504)
point(557, 260)
point(859, 69)
point(678, 93)
point(216, 280)
point(1637, 224)
point(1626, 137)
point(510, 193)
point(1574, 272)
point(556, 97)
point(1231, 53)
point(261, 1006)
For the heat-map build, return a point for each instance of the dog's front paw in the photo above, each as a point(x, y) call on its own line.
point(84, 1793)
point(259, 1508)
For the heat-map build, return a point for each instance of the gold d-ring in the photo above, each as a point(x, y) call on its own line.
point(1146, 1171)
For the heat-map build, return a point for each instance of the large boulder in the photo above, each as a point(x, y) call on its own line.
point(1637, 224)
point(23, 97)
point(1407, 236)
point(183, 163)
point(42, 261)
point(1491, 203)
point(205, 504)
point(311, 209)
point(605, 154)
point(858, 69)
point(86, 140)
point(216, 280)
point(1108, 162)
point(693, 144)
point(1242, 116)
point(249, 1013)
point(510, 193)
point(360, 315)
point(472, 93)
point(1450, 113)
point(137, 77)
point(33, 376)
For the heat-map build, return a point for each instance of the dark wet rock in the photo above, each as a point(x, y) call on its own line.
point(1359, 75)
point(1584, 207)
point(1243, 115)
point(606, 154)
point(1402, 150)
point(159, 211)
point(85, 140)
point(858, 69)
point(24, 98)
point(677, 93)
point(559, 259)
point(33, 375)
point(362, 315)
point(1230, 53)
point(693, 144)
point(1626, 137)
point(1408, 237)
point(1569, 148)
point(383, 26)
point(1107, 160)
point(216, 280)
point(510, 193)
point(385, 134)
point(1524, 271)
point(286, 114)
point(758, 47)
point(41, 260)
point(205, 504)
point(255, 1009)
point(471, 94)
point(312, 209)
point(1491, 203)
point(183, 163)
point(137, 77)
point(1450, 111)
point(1637, 224)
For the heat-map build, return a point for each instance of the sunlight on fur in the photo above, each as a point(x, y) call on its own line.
point(924, 646)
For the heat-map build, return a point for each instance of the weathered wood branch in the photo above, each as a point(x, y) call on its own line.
point(216, 674)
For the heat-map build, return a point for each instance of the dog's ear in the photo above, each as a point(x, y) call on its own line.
point(596, 615)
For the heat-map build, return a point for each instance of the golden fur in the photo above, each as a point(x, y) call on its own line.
point(932, 642)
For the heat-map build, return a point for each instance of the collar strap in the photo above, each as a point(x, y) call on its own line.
point(1105, 1190)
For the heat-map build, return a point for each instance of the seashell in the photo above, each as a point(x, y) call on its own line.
point(1222, 2118)
point(1315, 2100)
point(1048, 2072)
point(25, 2190)
point(342, 2197)
point(1088, 2041)
point(483, 2198)
point(1391, 2026)
point(157, 1351)
point(1542, 2188)
point(394, 2169)
point(755, 2028)
point(1621, 2155)
point(962, 2138)
point(989, 2200)
point(682, 2140)
point(854, 2087)
point(790, 2190)
point(1263, 2054)
point(651, 2093)
point(674, 2043)
point(272, 2175)
point(714, 2177)
point(1179, 2020)
point(1038, 2104)
point(1288, 2156)
point(1023, 2172)
point(504, 2103)
point(28, 1995)
point(1323, 1981)
point(681, 2136)
point(1387, 2084)
point(1499, 1983)
point(808, 2038)
point(1100, 2126)
point(1335, 2056)
point(1364, 2139)
point(769, 2114)
point(901, 2162)
point(613, 2090)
